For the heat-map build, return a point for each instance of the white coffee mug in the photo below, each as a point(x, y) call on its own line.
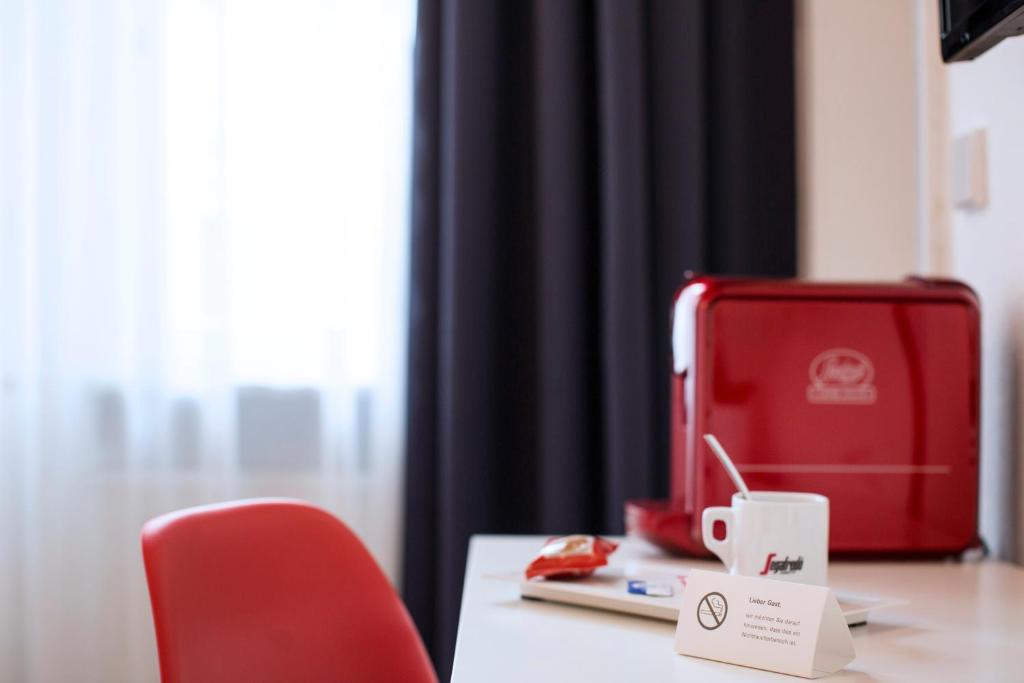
point(772, 534)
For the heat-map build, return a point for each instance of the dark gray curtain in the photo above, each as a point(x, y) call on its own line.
point(572, 161)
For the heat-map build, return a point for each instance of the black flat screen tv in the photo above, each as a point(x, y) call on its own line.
point(970, 27)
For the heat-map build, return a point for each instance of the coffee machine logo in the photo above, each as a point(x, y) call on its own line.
point(842, 376)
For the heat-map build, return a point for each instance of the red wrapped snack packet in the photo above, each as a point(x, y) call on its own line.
point(577, 555)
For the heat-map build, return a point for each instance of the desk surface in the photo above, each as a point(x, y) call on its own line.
point(964, 622)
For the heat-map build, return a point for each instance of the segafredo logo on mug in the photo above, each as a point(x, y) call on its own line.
point(786, 566)
point(772, 534)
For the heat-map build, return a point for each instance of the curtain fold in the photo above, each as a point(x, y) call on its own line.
point(572, 161)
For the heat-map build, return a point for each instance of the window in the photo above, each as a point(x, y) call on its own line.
point(203, 256)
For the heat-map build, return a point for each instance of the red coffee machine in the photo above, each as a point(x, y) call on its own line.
point(866, 393)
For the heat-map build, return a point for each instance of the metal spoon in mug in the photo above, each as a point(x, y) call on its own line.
point(726, 461)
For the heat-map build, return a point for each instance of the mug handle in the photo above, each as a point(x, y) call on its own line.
point(721, 548)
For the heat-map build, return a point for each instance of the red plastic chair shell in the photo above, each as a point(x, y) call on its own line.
point(274, 591)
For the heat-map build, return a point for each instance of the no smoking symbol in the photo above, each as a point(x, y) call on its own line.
point(711, 611)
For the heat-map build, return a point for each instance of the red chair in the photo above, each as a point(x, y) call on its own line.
point(273, 591)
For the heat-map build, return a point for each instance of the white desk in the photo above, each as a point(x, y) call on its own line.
point(965, 622)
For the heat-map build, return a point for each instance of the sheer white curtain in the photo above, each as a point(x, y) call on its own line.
point(203, 247)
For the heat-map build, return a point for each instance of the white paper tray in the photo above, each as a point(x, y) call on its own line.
point(606, 590)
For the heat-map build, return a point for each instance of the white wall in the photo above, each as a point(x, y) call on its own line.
point(857, 138)
point(988, 252)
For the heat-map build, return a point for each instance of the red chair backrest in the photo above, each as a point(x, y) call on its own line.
point(273, 591)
